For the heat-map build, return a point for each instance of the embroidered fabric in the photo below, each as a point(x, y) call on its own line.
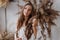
point(21, 34)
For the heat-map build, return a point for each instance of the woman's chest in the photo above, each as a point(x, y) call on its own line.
point(21, 34)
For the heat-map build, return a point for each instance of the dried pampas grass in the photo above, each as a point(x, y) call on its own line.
point(4, 3)
point(6, 36)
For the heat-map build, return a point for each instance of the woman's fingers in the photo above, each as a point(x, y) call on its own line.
point(19, 38)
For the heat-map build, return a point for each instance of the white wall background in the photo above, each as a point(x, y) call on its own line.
point(12, 17)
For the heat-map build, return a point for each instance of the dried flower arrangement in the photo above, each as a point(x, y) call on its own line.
point(4, 3)
point(45, 15)
point(6, 36)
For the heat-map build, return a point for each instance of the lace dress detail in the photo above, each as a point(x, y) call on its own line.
point(21, 34)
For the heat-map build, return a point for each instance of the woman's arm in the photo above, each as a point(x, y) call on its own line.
point(35, 23)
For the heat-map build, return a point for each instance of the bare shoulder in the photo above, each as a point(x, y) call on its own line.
point(33, 19)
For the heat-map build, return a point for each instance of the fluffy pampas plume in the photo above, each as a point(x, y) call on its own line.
point(4, 3)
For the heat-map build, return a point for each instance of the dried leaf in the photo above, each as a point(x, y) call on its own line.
point(26, 0)
point(20, 6)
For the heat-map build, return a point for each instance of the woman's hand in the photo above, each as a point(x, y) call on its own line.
point(18, 38)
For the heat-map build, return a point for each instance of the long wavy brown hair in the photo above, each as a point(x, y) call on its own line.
point(22, 18)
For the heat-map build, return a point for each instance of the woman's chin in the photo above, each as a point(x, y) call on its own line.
point(26, 15)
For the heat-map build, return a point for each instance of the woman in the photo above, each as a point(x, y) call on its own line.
point(27, 13)
point(28, 27)
point(32, 26)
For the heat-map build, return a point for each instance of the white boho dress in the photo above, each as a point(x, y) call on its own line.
point(21, 34)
